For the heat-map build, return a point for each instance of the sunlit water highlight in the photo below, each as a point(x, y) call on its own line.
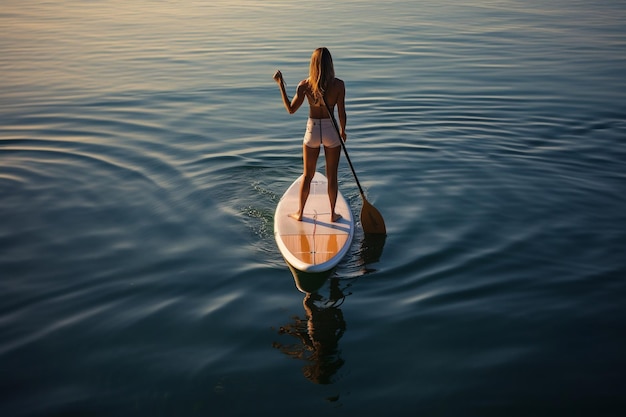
point(143, 149)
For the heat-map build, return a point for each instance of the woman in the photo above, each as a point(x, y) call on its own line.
point(320, 86)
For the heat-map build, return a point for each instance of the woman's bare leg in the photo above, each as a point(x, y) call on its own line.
point(309, 159)
point(331, 155)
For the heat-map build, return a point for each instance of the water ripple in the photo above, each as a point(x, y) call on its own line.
point(143, 149)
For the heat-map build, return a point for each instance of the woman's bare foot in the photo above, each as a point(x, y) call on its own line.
point(335, 217)
point(296, 216)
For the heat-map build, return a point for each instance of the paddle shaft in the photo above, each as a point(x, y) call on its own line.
point(343, 146)
point(371, 219)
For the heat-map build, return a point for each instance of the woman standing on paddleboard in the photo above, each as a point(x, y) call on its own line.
point(321, 86)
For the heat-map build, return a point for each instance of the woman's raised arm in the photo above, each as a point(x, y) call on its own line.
point(291, 105)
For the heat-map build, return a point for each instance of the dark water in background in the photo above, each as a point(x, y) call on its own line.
point(143, 149)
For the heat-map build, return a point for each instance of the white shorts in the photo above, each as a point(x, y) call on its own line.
point(321, 132)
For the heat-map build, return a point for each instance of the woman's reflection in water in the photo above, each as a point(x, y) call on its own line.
point(317, 336)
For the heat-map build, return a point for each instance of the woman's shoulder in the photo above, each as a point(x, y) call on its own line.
point(304, 85)
point(338, 85)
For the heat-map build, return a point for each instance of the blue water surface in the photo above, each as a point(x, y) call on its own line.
point(143, 150)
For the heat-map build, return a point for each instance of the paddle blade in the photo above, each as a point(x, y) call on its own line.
point(372, 220)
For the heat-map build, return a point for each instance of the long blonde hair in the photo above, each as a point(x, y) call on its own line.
point(321, 73)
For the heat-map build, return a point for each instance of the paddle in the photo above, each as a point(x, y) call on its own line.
point(371, 219)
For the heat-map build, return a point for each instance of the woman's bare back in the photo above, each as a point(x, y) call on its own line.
point(317, 109)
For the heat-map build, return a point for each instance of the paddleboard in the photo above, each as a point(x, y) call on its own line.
point(315, 244)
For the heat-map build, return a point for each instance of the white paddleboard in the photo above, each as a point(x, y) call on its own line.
point(315, 244)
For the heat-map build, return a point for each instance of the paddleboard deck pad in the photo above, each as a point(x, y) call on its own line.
point(315, 244)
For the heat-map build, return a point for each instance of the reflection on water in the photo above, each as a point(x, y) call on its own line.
point(317, 335)
point(139, 174)
point(371, 250)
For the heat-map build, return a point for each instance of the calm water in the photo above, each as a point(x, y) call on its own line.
point(143, 149)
